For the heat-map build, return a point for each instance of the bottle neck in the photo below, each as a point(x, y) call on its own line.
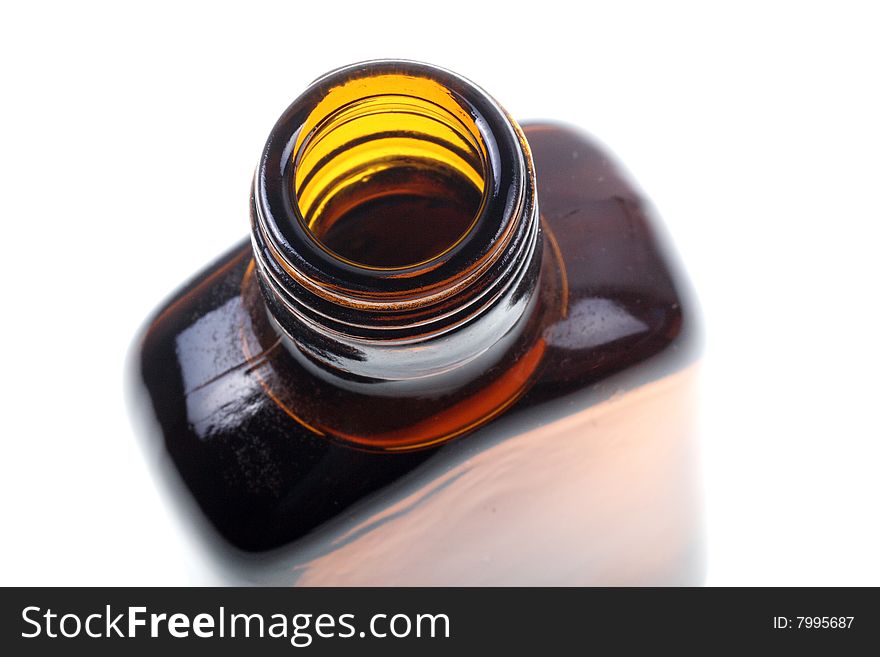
point(395, 227)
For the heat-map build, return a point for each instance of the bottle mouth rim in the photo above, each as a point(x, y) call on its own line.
point(292, 259)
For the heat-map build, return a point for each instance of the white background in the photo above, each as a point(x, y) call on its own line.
point(128, 139)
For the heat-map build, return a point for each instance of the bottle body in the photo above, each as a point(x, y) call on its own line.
point(579, 469)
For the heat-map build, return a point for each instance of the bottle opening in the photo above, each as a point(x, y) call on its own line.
point(389, 171)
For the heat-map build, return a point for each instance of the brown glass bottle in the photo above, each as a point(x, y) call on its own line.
point(454, 351)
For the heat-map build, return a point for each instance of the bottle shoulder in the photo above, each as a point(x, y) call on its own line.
point(627, 303)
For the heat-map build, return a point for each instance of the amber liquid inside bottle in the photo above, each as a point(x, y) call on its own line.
point(560, 454)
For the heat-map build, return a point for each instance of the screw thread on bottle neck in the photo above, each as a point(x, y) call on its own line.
point(395, 224)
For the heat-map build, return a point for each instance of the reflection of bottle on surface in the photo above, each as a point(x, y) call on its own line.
point(454, 352)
